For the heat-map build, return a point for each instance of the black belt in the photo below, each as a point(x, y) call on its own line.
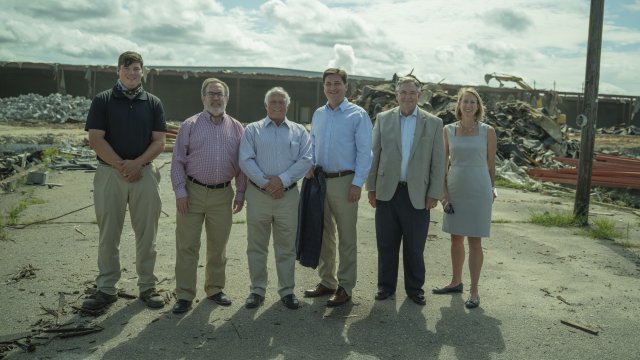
point(338, 174)
point(104, 163)
point(264, 191)
point(402, 183)
point(216, 186)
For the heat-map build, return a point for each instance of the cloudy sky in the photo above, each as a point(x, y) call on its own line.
point(458, 41)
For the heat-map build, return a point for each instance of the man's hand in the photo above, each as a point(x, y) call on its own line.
point(182, 204)
point(431, 203)
point(278, 194)
point(237, 206)
point(273, 185)
point(372, 199)
point(354, 193)
point(309, 174)
point(130, 170)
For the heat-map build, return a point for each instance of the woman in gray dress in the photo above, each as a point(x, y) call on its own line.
point(470, 152)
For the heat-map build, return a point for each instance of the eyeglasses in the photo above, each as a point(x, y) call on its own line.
point(408, 93)
point(212, 94)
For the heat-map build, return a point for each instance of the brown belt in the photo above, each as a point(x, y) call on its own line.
point(216, 186)
point(338, 174)
point(402, 183)
point(264, 191)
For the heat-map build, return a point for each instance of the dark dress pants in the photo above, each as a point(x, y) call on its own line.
point(398, 221)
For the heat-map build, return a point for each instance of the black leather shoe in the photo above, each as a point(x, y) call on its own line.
point(98, 301)
point(418, 299)
point(383, 294)
point(220, 299)
point(472, 303)
point(181, 306)
point(253, 301)
point(290, 301)
point(447, 290)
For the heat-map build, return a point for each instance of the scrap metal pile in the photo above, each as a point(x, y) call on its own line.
point(54, 108)
point(526, 135)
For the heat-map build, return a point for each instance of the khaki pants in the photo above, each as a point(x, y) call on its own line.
point(338, 211)
point(111, 194)
point(264, 215)
point(213, 207)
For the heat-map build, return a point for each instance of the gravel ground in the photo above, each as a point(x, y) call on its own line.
point(533, 278)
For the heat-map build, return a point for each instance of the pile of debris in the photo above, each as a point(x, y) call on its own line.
point(620, 130)
point(526, 135)
point(54, 108)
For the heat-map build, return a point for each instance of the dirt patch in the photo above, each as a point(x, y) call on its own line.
point(533, 278)
point(28, 133)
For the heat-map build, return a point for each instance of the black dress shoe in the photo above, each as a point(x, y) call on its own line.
point(290, 301)
point(181, 306)
point(253, 301)
point(220, 299)
point(418, 299)
point(472, 303)
point(383, 294)
point(446, 290)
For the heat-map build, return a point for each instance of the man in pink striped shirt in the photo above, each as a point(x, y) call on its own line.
point(205, 160)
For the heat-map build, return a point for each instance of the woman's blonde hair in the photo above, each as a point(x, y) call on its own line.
point(479, 113)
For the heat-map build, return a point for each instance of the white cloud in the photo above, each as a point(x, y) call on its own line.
point(635, 6)
point(456, 40)
point(344, 58)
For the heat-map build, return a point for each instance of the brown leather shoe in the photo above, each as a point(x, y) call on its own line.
point(339, 298)
point(319, 290)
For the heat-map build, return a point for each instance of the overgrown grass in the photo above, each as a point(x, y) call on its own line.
point(598, 229)
point(554, 219)
point(49, 154)
point(504, 183)
point(15, 212)
point(603, 229)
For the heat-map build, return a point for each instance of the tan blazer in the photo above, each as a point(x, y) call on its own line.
point(425, 173)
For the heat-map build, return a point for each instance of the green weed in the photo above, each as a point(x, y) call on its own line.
point(14, 212)
point(603, 229)
point(554, 219)
point(504, 183)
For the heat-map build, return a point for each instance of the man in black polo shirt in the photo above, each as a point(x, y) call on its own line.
point(127, 131)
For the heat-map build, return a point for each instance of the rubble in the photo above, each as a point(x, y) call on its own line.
point(54, 108)
point(526, 135)
point(619, 130)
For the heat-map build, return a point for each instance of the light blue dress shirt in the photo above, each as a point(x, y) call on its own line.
point(407, 130)
point(270, 150)
point(341, 140)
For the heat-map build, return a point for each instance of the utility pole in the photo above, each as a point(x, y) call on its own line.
point(587, 120)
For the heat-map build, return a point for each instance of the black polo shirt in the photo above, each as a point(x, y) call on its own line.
point(128, 123)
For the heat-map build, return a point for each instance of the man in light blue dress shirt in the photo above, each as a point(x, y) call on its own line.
point(341, 144)
point(274, 154)
point(405, 182)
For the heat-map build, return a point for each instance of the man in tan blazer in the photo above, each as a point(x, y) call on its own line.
point(405, 182)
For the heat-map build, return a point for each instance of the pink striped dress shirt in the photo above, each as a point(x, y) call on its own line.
point(208, 153)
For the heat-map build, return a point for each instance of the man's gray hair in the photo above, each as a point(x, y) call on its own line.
point(277, 90)
point(408, 79)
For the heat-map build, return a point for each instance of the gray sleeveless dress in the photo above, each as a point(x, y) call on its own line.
point(469, 184)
